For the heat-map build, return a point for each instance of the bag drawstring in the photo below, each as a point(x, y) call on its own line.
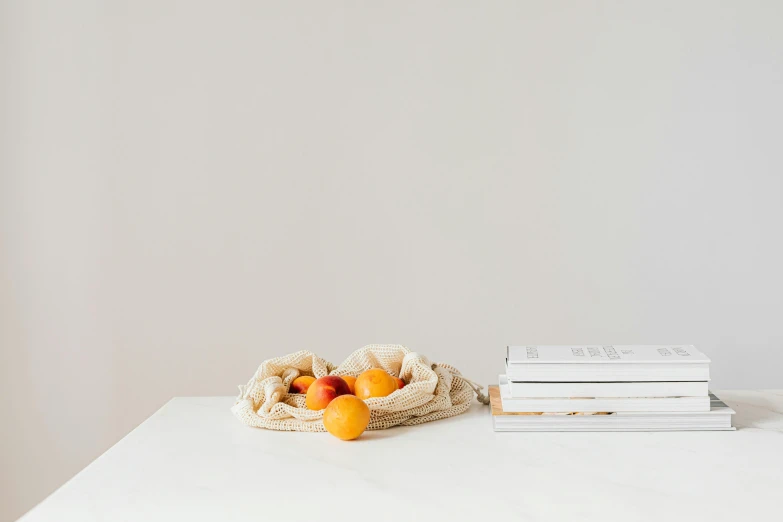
point(483, 399)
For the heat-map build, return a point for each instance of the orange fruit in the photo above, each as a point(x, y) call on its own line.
point(351, 380)
point(301, 384)
point(375, 383)
point(346, 417)
point(400, 382)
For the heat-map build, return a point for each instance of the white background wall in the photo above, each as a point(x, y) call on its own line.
point(188, 188)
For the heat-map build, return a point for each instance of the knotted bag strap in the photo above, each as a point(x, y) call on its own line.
point(483, 399)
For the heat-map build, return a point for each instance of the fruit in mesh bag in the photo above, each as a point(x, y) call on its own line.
point(324, 390)
point(301, 384)
point(346, 417)
point(400, 383)
point(351, 380)
point(375, 383)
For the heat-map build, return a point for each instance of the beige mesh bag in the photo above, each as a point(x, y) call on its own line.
point(434, 391)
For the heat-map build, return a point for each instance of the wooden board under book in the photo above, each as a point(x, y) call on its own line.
point(497, 405)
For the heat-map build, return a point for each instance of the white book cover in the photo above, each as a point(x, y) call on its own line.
point(608, 389)
point(605, 354)
point(606, 363)
point(717, 419)
point(598, 404)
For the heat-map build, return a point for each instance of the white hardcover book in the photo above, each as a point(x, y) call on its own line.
point(595, 404)
point(531, 390)
point(606, 363)
point(717, 419)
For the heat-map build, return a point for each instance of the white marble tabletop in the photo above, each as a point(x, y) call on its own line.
point(192, 460)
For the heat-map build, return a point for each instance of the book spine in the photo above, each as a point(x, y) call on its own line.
point(607, 390)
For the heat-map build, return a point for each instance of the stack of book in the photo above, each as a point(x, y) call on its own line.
point(606, 388)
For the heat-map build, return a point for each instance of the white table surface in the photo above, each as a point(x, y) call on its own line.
point(193, 461)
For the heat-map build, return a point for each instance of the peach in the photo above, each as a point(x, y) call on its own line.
point(301, 384)
point(346, 417)
point(351, 380)
point(323, 390)
point(375, 383)
point(400, 383)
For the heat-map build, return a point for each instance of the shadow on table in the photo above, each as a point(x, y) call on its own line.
point(379, 434)
point(756, 412)
point(399, 430)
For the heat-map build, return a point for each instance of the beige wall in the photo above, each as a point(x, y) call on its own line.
point(188, 188)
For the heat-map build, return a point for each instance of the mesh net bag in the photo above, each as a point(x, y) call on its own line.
point(434, 391)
